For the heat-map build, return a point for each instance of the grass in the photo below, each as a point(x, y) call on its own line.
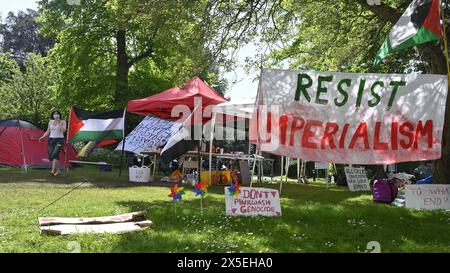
point(315, 219)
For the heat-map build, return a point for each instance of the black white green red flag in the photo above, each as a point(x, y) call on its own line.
point(95, 126)
point(419, 24)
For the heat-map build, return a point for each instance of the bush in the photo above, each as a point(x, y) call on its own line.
point(104, 155)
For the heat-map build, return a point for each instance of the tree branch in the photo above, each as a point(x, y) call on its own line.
point(143, 55)
point(384, 11)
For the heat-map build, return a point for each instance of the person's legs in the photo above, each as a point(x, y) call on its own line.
point(56, 168)
point(55, 155)
point(53, 167)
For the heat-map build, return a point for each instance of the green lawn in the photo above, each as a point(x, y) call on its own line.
point(315, 219)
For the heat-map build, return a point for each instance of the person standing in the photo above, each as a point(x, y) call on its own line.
point(55, 132)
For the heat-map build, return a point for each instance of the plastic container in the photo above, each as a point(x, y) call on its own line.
point(139, 174)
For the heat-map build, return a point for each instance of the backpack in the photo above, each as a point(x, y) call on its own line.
point(384, 191)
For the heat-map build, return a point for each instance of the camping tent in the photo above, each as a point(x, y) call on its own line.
point(161, 104)
point(20, 146)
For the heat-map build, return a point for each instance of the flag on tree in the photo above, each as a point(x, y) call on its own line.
point(419, 24)
point(87, 126)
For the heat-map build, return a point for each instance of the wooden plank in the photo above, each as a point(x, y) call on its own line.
point(89, 162)
point(117, 228)
point(127, 217)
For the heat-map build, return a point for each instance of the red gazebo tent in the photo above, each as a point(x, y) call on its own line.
point(161, 104)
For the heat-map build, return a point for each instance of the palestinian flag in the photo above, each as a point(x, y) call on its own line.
point(87, 126)
point(182, 141)
point(419, 24)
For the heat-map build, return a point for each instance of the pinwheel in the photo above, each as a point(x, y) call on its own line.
point(201, 189)
point(234, 189)
point(176, 193)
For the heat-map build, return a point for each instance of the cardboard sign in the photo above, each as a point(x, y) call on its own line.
point(320, 165)
point(127, 217)
point(253, 201)
point(149, 135)
point(350, 118)
point(428, 197)
point(245, 172)
point(117, 228)
point(357, 179)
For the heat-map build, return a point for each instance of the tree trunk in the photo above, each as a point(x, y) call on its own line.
point(122, 68)
point(432, 53)
point(436, 64)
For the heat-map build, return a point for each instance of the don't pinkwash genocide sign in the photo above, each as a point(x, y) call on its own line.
point(253, 201)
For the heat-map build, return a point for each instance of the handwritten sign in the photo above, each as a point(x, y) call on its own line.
point(357, 179)
point(428, 197)
point(149, 135)
point(253, 201)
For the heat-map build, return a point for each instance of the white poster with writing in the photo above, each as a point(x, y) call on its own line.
point(350, 118)
point(253, 201)
point(149, 135)
point(357, 179)
point(428, 197)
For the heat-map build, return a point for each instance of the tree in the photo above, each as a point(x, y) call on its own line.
point(111, 51)
point(341, 35)
point(8, 67)
point(31, 94)
point(20, 35)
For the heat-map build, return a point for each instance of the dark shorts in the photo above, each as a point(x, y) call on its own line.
point(54, 147)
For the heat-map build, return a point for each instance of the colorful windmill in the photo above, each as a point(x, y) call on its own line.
point(234, 189)
point(176, 193)
point(201, 189)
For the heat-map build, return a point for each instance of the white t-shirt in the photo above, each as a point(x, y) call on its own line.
point(55, 130)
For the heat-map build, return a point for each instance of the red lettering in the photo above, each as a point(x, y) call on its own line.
point(394, 135)
point(377, 145)
point(423, 131)
point(408, 134)
point(283, 126)
point(295, 127)
point(343, 135)
point(361, 132)
point(307, 134)
point(330, 129)
point(268, 128)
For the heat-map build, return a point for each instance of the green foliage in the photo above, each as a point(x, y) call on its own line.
point(315, 219)
point(20, 36)
point(164, 47)
point(333, 36)
point(30, 94)
point(8, 68)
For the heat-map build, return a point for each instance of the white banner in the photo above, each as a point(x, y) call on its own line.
point(428, 197)
point(253, 201)
point(149, 135)
point(350, 118)
point(357, 179)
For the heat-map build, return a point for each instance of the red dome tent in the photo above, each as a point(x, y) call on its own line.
point(20, 146)
point(161, 104)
